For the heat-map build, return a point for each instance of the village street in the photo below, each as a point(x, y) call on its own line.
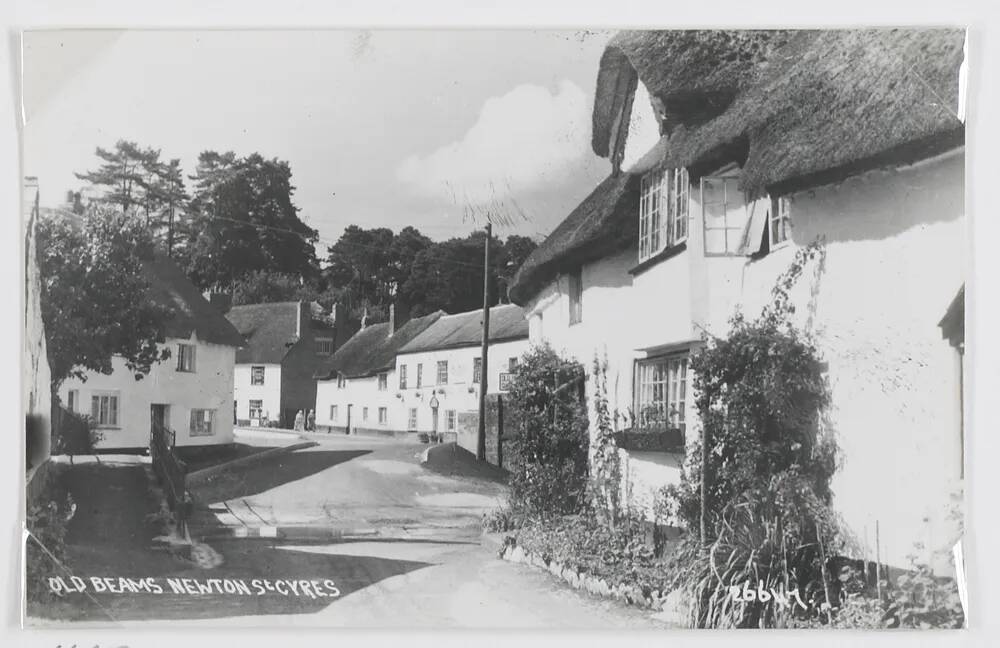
point(411, 553)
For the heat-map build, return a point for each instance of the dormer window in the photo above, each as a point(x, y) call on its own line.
point(663, 211)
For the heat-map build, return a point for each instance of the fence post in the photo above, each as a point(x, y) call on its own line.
point(500, 429)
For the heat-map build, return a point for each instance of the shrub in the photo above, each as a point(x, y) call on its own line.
point(548, 451)
point(922, 600)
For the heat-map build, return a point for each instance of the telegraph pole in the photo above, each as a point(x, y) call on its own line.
point(484, 364)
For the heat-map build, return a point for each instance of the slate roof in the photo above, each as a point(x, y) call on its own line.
point(507, 322)
point(372, 350)
point(170, 287)
point(269, 330)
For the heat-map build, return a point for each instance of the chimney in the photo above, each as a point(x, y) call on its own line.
point(221, 301)
point(399, 314)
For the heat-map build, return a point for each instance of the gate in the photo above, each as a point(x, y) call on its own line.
point(171, 472)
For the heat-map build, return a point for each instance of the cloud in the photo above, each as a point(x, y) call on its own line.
point(523, 141)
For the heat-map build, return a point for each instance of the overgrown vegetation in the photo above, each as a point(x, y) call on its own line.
point(45, 546)
point(549, 452)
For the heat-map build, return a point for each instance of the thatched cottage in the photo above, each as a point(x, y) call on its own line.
point(729, 151)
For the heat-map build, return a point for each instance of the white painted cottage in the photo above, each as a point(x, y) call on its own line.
point(720, 171)
point(191, 392)
point(439, 371)
point(356, 389)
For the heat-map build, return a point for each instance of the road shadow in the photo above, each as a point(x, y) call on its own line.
point(451, 460)
point(109, 537)
point(244, 481)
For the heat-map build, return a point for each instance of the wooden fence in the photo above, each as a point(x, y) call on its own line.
point(170, 471)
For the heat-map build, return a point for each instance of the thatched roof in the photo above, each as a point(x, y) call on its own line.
point(802, 107)
point(466, 329)
point(604, 222)
point(170, 287)
point(372, 350)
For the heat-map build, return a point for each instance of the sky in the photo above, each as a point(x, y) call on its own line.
point(381, 128)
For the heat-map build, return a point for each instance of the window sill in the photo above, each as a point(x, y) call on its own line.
point(666, 441)
point(659, 257)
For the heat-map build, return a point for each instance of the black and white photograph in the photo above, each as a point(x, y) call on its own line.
point(655, 328)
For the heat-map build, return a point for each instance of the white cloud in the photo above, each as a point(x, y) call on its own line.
point(524, 140)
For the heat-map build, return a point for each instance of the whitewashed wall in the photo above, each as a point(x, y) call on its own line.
point(460, 394)
point(209, 387)
point(360, 393)
point(269, 393)
point(894, 261)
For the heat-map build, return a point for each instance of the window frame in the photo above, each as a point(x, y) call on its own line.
point(192, 431)
point(664, 210)
point(334, 413)
point(450, 420)
point(259, 408)
point(411, 420)
point(253, 377)
point(383, 381)
point(324, 345)
point(341, 381)
point(726, 176)
point(781, 212)
point(364, 414)
point(72, 400)
point(575, 293)
point(113, 398)
point(187, 362)
point(402, 376)
point(477, 370)
point(674, 385)
point(442, 365)
point(383, 415)
point(420, 375)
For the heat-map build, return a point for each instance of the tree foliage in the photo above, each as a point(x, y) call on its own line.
point(242, 219)
point(94, 294)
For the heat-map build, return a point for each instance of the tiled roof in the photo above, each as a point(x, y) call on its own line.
point(269, 329)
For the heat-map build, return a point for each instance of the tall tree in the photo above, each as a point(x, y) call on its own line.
point(361, 264)
point(94, 295)
point(514, 252)
point(449, 276)
point(242, 219)
point(125, 175)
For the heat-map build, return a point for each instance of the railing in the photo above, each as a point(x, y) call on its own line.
point(170, 471)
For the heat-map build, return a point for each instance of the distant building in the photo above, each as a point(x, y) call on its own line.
point(438, 373)
point(357, 387)
point(286, 342)
point(190, 393)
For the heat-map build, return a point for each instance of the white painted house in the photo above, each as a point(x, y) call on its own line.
point(191, 393)
point(438, 372)
point(719, 173)
point(356, 389)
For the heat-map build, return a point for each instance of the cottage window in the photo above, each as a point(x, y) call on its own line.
point(449, 420)
point(364, 414)
point(383, 382)
point(341, 381)
point(201, 422)
point(324, 346)
point(512, 365)
point(383, 416)
point(442, 373)
point(402, 376)
point(724, 214)
point(661, 392)
point(72, 398)
point(104, 409)
point(185, 357)
point(575, 297)
point(333, 413)
point(256, 409)
point(411, 423)
point(256, 375)
point(663, 210)
point(477, 370)
point(781, 220)
point(420, 375)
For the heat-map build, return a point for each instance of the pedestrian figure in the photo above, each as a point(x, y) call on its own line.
point(300, 420)
point(310, 421)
